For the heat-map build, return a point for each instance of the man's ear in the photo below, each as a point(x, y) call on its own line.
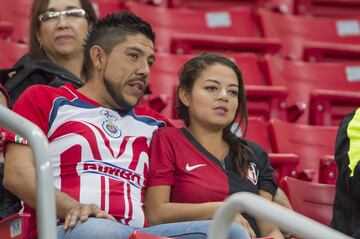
point(98, 57)
point(184, 96)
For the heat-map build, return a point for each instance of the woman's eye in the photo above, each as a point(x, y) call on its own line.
point(210, 88)
point(233, 92)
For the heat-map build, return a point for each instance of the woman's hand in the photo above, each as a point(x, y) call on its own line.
point(239, 219)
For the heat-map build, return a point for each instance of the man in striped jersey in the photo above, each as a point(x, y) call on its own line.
point(98, 139)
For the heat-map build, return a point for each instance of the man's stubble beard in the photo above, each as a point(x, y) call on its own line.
point(118, 97)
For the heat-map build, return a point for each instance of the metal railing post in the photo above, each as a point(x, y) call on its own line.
point(45, 207)
point(284, 218)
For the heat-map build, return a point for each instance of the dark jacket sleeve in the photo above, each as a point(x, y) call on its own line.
point(347, 153)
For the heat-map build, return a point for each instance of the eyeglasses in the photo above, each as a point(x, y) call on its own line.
point(71, 14)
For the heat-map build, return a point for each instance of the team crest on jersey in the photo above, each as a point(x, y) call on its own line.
point(111, 129)
point(108, 114)
point(253, 173)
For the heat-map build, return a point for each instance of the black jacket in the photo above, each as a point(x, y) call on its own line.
point(27, 72)
point(346, 214)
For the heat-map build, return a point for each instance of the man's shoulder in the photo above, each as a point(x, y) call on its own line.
point(144, 111)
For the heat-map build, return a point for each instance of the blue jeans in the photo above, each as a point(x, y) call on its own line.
point(98, 228)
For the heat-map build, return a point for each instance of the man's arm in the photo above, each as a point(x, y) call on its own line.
point(20, 180)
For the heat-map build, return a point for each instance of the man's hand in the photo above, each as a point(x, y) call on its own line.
point(239, 219)
point(82, 212)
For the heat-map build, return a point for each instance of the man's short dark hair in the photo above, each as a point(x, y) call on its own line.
point(112, 30)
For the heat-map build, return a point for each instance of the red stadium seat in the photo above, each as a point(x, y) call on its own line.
point(18, 13)
point(11, 53)
point(263, 100)
point(183, 30)
point(328, 8)
point(313, 200)
point(337, 38)
point(15, 226)
point(329, 91)
point(6, 29)
point(311, 143)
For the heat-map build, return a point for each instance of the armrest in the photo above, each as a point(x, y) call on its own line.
point(184, 43)
point(321, 51)
point(328, 169)
point(284, 164)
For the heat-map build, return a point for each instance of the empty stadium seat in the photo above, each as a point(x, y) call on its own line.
point(313, 200)
point(11, 52)
point(15, 226)
point(329, 91)
point(311, 143)
point(181, 31)
point(263, 100)
point(332, 38)
point(18, 13)
point(328, 8)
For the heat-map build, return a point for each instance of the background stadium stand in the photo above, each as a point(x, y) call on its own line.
point(300, 61)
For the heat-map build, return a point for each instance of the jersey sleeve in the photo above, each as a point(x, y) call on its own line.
point(266, 172)
point(31, 105)
point(162, 160)
point(347, 153)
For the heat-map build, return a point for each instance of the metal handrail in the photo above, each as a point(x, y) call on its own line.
point(284, 218)
point(45, 206)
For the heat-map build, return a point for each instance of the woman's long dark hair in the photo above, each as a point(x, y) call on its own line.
point(188, 74)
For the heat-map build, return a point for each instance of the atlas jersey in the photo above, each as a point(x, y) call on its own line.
point(98, 155)
point(178, 160)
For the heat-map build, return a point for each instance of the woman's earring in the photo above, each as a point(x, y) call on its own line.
point(41, 45)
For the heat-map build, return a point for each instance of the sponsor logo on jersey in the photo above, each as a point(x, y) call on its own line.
point(111, 129)
point(253, 173)
point(112, 171)
point(190, 168)
point(108, 114)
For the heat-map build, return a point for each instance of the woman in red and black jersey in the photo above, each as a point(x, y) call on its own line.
point(193, 169)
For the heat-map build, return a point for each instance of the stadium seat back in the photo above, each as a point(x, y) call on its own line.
point(11, 52)
point(167, 22)
point(305, 81)
point(313, 200)
point(18, 13)
point(309, 142)
point(298, 31)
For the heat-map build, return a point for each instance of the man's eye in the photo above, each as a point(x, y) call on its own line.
point(135, 56)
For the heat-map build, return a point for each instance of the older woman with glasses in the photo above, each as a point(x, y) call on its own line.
point(57, 33)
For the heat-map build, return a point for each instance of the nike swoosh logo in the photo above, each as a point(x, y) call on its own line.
point(190, 168)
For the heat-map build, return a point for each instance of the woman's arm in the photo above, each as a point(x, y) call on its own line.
point(159, 210)
point(265, 228)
